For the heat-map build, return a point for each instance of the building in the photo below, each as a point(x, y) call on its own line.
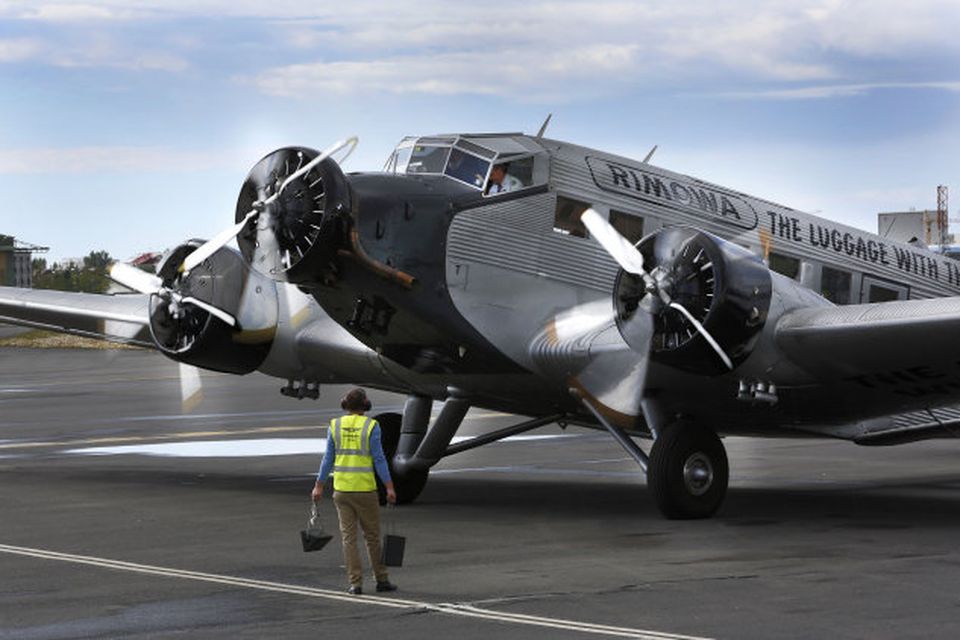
point(15, 261)
point(915, 226)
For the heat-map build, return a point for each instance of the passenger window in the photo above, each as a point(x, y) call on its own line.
point(882, 294)
point(835, 285)
point(784, 265)
point(567, 218)
point(629, 226)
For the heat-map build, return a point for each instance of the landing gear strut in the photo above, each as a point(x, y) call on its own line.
point(687, 469)
point(412, 448)
point(408, 484)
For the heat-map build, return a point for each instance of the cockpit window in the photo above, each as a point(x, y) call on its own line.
point(400, 159)
point(510, 175)
point(428, 159)
point(467, 167)
point(490, 164)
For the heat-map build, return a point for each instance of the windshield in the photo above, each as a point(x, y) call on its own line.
point(474, 162)
point(427, 159)
point(467, 167)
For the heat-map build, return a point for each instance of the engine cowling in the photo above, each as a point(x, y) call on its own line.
point(296, 236)
point(187, 333)
point(724, 286)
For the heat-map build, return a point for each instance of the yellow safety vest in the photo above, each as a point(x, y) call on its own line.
point(353, 465)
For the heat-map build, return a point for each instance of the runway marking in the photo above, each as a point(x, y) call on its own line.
point(447, 608)
point(184, 435)
point(156, 438)
point(244, 448)
point(9, 444)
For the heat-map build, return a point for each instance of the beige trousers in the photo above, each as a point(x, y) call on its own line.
point(361, 507)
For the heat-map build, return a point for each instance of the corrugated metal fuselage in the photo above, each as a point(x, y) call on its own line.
point(495, 276)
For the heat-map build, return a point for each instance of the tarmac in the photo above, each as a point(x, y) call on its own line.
point(122, 517)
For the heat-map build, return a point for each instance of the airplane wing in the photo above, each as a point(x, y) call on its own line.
point(879, 344)
point(116, 318)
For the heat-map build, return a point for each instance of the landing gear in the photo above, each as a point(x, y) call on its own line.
point(409, 483)
point(688, 471)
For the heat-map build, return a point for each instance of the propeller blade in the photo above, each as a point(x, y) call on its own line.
point(706, 334)
point(210, 247)
point(637, 331)
point(191, 388)
point(626, 255)
point(206, 306)
point(326, 153)
point(134, 278)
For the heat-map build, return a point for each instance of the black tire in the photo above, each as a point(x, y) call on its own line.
point(688, 472)
point(408, 485)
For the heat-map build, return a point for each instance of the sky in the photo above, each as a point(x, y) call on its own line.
point(130, 126)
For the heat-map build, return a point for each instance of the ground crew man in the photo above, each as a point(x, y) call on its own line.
point(353, 453)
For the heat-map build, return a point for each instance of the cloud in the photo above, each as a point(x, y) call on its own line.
point(71, 11)
point(538, 50)
point(95, 51)
point(73, 160)
point(836, 91)
point(514, 73)
point(18, 49)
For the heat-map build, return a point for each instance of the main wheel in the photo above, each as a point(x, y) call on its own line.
point(688, 471)
point(408, 485)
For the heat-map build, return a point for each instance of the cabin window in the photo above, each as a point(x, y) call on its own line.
point(882, 294)
point(567, 219)
point(784, 265)
point(876, 290)
point(835, 285)
point(629, 226)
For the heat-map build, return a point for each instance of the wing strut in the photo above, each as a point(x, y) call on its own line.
point(500, 434)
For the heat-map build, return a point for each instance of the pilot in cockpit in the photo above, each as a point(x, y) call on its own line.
point(501, 181)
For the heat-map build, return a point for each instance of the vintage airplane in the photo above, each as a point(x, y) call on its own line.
point(528, 275)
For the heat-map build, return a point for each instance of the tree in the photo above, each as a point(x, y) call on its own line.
point(91, 279)
point(38, 266)
point(98, 261)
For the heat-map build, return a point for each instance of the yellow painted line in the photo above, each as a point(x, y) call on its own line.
point(447, 608)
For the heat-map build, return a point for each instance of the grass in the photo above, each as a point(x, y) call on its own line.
point(51, 340)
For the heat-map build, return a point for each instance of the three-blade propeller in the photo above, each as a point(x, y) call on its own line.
point(210, 247)
point(640, 324)
point(139, 280)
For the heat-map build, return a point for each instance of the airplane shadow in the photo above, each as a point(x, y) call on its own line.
point(933, 501)
point(889, 506)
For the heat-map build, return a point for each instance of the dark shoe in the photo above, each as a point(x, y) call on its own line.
point(357, 590)
point(386, 585)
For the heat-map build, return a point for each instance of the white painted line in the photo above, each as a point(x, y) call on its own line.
point(215, 448)
point(249, 448)
point(447, 608)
